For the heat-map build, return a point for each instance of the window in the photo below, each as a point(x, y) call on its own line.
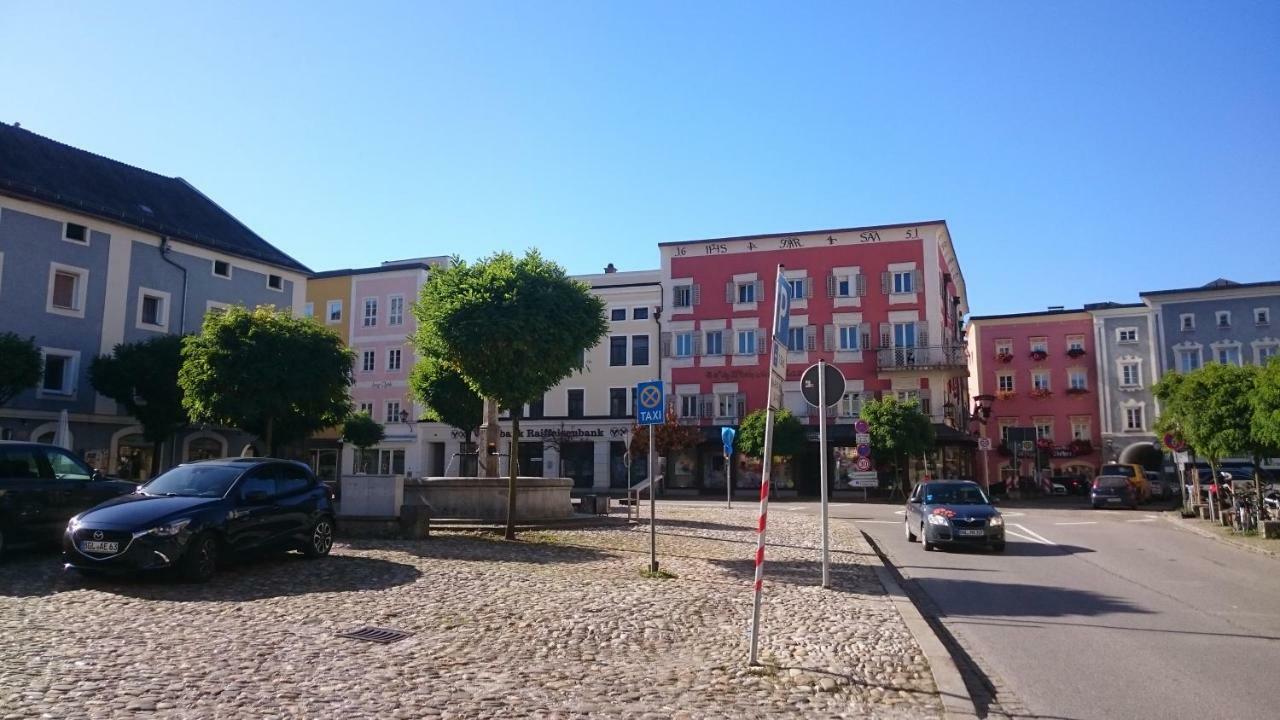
point(1187, 322)
point(393, 359)
point(213, 306)
point(1133, 418)
point(1004, 382)
point(730, 405)
point(795, 339)
point(1040, 344)
point(221, 268)
point(746, 342)
point(850, 404)
point(370, 312)
point(844, 286)
point(617, 351)
point(1229, 355)
point(368, 361)
point(1130, 374)
point(537, 409)
point(366, 408)
point(1265, 353)
point(153, 309)
point(333, 312)
point(715, 342)
point(640, 313)
point(577, 402)
point(1004, 347)
point(1044, 429)
point(688, 406)
point(617, 314)
point(1040, 380)
point(850, 337)
point(275, 282)
point(309, 310)
point(640, 350)
point(903, 282)
point(1262, 316)
point(67, 286)
point(746, 292)
point(1078, 380)
point(1222, 318)
point(59, 373)
point(684, 344)
point(395, 310)
point(393, 411)
point(797, 288)
point(1080, 430)
point(911, 397)
point(1127, 335)
point(292, 479)
point(66, 467)
point(1188, 360)
point(75, 233)
point(682, 296)
point(617, 402)
point(1075, 342)
point(904, 335)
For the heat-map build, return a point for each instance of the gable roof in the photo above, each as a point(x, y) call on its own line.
point(1219, 284)
point(36, 168)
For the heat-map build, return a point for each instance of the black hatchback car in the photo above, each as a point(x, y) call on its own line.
point(43, 486)
point(190, 516)
point(953, 512)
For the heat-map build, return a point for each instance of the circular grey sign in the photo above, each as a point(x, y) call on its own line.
point(809, 385)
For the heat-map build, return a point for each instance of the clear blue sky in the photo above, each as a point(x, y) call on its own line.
point(1079, 151)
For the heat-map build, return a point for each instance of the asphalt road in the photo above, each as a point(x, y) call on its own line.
point(1100, 614)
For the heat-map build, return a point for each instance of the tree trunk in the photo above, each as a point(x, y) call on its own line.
point(1195, 479)
point(271, 448)
point(511, 475)
point(490, 433)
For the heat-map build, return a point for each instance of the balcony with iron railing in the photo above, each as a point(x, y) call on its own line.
point(951, 358)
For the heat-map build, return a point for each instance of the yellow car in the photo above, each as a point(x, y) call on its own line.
point(1135, 474)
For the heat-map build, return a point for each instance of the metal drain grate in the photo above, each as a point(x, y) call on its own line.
point(377, 635)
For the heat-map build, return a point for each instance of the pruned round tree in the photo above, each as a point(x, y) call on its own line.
point(143, 378)
point(788, 434)
point(669, 438)
point(362, 431)
point(512, 328)
point(898, 430)
point(21, 369)
point(266, 372)
point(447, 396)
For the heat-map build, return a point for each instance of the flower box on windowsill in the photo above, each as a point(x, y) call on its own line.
point(1039, 355)
point(1075, 353)
point(1044, 444)
point(1003, 450)
point(1041, 394)
point(1077, 391)
point(1006, 395)
point(1080, 447)
point(1004, 357)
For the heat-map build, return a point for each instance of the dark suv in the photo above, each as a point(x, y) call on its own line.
point(42, 487)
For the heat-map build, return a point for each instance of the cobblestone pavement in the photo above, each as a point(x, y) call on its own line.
point(560, 625)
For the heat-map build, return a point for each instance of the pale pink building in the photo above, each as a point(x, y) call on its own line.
point(1041, 369)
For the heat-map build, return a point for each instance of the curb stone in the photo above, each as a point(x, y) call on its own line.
point(957, 703)
point(1189, 527)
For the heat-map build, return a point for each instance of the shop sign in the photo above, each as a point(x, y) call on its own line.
point(864, 480)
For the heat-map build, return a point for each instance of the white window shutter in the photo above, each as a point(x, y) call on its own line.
point(740, 405)
point(915, 281)
point(811, 337)
point(759, 289)
point(697, 343)
point(922, 335)
point(708, 405)
point(730, 292)
point(761, 344)
point(697, 294)
point(861, 282)
point(886, 282)
point(865, 331)
point(665, 342)
point(886, 335)
point(808, 288)
point(829, 338)
point(831, 285)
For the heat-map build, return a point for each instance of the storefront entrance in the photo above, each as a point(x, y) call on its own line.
point(577, 461)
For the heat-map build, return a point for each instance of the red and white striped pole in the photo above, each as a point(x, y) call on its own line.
point(777, 358)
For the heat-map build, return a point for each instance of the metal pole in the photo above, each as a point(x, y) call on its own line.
point(728, 485)
point(822, 464)
point(653, 529)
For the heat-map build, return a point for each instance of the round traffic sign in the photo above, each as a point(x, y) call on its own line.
point(864, 451)
point(861, 426)
point(650, 397)
point(809, 384)
point(864, 464)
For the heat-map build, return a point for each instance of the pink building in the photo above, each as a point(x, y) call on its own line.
point(1040, 368)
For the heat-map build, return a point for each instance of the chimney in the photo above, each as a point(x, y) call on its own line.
point(1057, 307)
point(610, 269)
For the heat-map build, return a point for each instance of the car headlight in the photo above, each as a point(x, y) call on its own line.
point(170, 529)
point(74, 525)
point(937, 520)
point(996, 521)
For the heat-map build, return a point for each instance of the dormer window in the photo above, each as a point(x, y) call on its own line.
point(275, 282)
point(74, 232)
point(1223, 318)
point(222, 268)
point(1262, 316)
point(1187, 322)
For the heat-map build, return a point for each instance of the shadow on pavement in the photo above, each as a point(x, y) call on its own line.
point(954, 598)
point(1038, 622)
point(1017, 548)
point(480, 548)
point(844, 577)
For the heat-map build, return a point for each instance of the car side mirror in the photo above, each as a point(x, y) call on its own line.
point(256, 497)
point(96, 475)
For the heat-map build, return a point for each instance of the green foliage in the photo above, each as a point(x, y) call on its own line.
point(511, 327)
point(788, 434)
point(21, 368)
point(143, 378)
point(1218, 417)
point(1175, 412)
point(897, 428)
point(670, 437)
point(267, 373)
point(447, 397)
point(1265, 402)
point(362, 431)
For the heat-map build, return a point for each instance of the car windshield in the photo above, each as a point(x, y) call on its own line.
point(1124, 470)
point(1112, 481)
point(954, 495)
point(210, 481)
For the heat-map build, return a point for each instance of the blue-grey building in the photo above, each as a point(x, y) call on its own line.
point(1223, 321)
point(94, 253)
point(1127, 357)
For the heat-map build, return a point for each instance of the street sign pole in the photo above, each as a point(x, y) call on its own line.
point(822, 464)
point(653, 510)
point(651, 410)
point(728, 486)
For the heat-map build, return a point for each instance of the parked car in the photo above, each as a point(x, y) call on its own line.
point(953, 512)
point(1134, 474)
point(1113, 491)
point(1161, 487)
point(1071, 485)
point(191, 516)
point(43, 486)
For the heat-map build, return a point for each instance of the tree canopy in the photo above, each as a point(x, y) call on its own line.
point(897, 428)
point(1215, 410)
point(669, 438)
point(266, 372)
point(21, 368)
point(788, 434)
point(143, 378)
point(1266, 406)
point(362, 431)
point(447, 396)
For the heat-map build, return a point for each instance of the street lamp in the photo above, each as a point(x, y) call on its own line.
point(981, 414)
point(404, 419)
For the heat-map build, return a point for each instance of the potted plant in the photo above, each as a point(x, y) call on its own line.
point(1039, 355)
point(1076, 352)
point(1081, 447)
point(1041, 393)
point(1044, 444)
point(1077, 391)
point(1004, 357)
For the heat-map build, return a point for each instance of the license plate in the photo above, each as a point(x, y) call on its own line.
point(972, 533)
point(1113, 499)
point(99, 546)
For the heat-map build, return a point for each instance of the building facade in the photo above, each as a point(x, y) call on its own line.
point(1224, 321)
point(95, 253)
point(1128, 367)
point(882, 303)
point(1041, 368)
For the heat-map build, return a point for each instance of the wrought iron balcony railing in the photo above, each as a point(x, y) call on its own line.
point(938, 357)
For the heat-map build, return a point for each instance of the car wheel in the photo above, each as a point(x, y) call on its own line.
point(321, 540)
point(200, 561)
point(997, 547)
point(928, 546)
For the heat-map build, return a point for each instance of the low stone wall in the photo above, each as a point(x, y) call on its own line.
point(537, 499)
